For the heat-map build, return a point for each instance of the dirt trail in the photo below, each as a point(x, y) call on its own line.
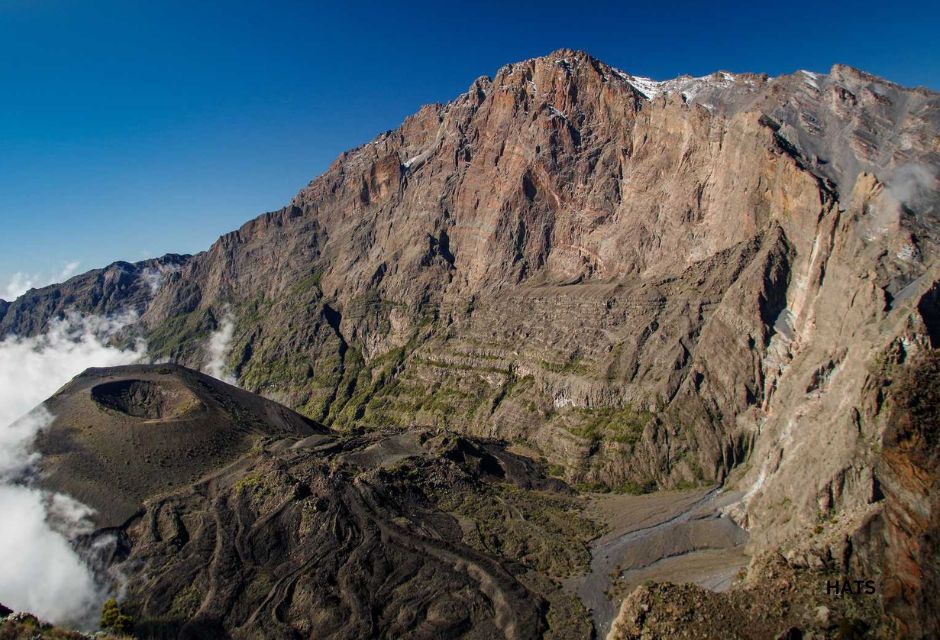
point(676, 536)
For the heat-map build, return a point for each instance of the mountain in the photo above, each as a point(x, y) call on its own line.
point(722, 280)
point(120, 288)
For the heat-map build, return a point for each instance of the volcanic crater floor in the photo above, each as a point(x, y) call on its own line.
point(231, 516)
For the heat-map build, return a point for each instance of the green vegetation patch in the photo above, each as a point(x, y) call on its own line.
point(573, 366)
point(248, 483)
point(624, 425)
point(543, 531)
point(180, 335)
point(567, 617)
point(186, 603)
point(632, 487)
point(455, 366)
point(113, 619)
point(306, 284)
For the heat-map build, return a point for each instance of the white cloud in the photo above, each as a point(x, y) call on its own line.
point(217, 349)
point(910, 181)
point(41, 571)
point(21, 282)
point(155, 276)
point(32, 369)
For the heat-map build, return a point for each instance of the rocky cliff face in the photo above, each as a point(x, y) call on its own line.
point(648, 284)
point(120, 289)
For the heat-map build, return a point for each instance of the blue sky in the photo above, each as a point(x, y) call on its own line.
point(131, 129)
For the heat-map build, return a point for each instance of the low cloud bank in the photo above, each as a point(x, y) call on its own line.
point(41, 572)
